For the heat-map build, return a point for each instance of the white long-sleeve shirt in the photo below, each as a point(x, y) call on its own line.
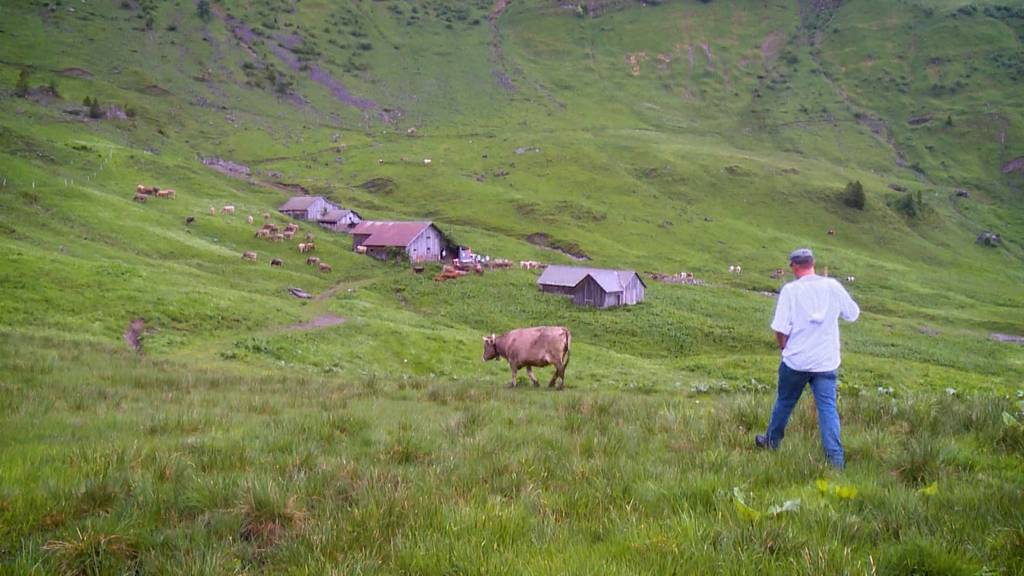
point(808, 311)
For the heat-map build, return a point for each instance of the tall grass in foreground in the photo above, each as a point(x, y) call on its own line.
point(113, 463)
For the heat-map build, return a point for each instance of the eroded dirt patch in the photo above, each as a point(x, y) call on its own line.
point(570, 249)
point(76, 73)
point(322, 321)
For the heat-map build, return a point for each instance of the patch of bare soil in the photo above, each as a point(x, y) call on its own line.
point(570, 249)
point(1015, 165)
point(76, 73)
point(919, 120)
point(226, 166)
point(771, 46)
point(382, 185)
point(155, 90)
point(999, 337)
point(322, 321)
point(133, 335)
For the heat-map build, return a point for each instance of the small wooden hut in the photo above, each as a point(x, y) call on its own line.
point(339, 220)
point(307, 207)
point(417, 241)
point(597, 287)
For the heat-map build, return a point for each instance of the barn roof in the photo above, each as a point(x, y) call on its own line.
point(570, 276)
point(335, 216)
point(389, 233)
point(296, 203)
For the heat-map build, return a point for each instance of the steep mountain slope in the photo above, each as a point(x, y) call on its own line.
point(677, 136)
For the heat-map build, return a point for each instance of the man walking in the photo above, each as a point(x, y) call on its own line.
point(806, 326)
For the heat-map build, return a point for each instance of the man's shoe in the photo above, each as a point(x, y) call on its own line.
point(761, 440)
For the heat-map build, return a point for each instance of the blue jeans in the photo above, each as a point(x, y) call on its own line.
point(823, 386)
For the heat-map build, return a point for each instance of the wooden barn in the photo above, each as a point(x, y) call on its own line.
point(339, 220)
point(307, 207)
point(597, 287)
point(417, 241)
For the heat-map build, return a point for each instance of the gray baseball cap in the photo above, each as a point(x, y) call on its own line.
point(801, 256)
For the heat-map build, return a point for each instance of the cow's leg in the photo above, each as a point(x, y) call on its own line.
point(554, 377)
point(561, 375)
point(529, 372)
point(515, 370)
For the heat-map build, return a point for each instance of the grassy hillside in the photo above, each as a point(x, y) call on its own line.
point(662, 137)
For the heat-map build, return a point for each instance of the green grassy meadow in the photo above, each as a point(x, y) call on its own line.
point(666, 137)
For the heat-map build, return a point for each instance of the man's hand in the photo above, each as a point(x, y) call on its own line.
point(781, 339)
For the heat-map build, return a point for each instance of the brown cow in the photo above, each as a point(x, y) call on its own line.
point(251, 256)
point(165, 193)
point(532, 347)
point(312, 260)
point(324, 267)
point(276, 262)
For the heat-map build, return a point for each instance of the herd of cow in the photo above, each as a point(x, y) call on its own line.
point(268, 231)
point(272, 232)
point(142, 193)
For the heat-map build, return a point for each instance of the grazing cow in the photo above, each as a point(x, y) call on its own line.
point(532, 347)
point(189, 220)
point(270, 228)
point(851, 279)
point(360, 249)
point(324, 267)
point(213, 211)
point(276, 262)
point(291, 227)
point(250, 256)
point(140, 197)
point(380, 161)
point(831, 232)
point(279, 237)
point(312, 261)
point(227, 209)
point(249, 219)
point(427, 161)
point(288, 234)
point(140, 189)
point(165, 193)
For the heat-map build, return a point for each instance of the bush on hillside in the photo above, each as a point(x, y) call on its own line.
point(853, 195)
point(910, 204)
point(203, 10)
point(21, 87)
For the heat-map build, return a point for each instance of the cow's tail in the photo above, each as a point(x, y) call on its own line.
point(565, 353)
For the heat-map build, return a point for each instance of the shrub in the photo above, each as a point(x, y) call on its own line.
point(203, 10)
point(21, 87)
point(95, 111)
point(853, 195)
point(910, 204)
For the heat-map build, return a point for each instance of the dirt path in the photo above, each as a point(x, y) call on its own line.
point(497, 52)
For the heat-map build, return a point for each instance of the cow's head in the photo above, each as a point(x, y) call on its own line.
point(490, 348)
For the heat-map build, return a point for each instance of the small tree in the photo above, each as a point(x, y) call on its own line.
point(21, 87)
point(853, 195)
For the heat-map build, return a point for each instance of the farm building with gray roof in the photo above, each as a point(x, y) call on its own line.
point(598, 287)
